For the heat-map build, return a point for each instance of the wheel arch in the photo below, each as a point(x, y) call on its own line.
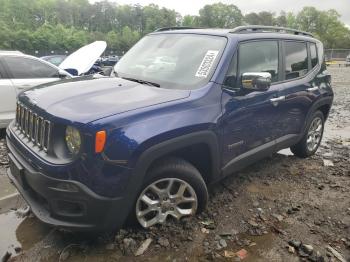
point(185, 146)
point(324, 104)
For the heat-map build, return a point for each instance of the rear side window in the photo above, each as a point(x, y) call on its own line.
point(295, 54)
point(22, 67)
point(313, 54)
point(259, 56)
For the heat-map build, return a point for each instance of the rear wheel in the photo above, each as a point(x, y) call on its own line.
point(311, 140)
point(175, 189)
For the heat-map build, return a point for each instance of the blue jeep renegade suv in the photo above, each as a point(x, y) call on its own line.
point(186, 108)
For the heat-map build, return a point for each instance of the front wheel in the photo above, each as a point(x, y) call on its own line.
point(311, 140)
point(175, 189)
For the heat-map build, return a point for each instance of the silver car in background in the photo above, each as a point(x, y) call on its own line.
point(347, 60)
point(19, 72)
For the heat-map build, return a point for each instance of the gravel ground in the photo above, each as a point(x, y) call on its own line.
point(280, 209)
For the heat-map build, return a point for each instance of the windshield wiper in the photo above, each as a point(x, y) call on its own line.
point(144, 82)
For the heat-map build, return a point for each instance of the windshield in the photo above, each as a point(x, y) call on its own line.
point(176, 61)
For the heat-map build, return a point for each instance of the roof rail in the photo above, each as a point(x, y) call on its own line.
point(174, 28)
point(264, 29)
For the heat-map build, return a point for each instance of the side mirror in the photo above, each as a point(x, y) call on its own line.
point(260, 81)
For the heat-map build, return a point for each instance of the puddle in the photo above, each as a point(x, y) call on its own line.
point(9, 223)
point(20, 232)
point(6, 188)
point(329, 134)
point(343, 133)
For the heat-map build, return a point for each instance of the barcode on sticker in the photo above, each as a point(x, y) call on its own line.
point(207, 63)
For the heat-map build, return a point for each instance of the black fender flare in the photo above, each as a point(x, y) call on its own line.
point(154, 152)
point(328, 100)
point(148, 156)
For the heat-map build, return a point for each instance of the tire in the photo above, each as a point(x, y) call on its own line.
point(302, 148)
point(2, 133)
point(173, 173)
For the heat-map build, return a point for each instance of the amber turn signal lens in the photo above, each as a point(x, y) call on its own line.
point(100, 141)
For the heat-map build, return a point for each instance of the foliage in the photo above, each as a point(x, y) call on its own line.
point(220, 15)
point(65, 25)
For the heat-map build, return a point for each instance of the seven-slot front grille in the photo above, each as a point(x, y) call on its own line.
point(34, 127)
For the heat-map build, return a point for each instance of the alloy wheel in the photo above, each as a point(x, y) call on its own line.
point(165, 198)
point(314, 134)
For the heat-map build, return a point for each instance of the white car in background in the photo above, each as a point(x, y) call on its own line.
point(347, 60)
point(20, 72)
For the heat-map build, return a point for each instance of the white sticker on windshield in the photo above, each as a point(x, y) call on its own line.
point(207, 63)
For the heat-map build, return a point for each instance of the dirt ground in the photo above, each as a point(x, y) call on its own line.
point(264, 210)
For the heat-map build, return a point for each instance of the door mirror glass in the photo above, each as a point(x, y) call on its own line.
point(259, 81)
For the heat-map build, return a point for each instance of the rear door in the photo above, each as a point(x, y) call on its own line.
point(27, 72)
point(7, 98)
point(299, 89)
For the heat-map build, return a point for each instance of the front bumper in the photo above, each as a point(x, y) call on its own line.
point(64, 203)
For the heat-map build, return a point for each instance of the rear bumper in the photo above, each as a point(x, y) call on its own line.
point(64, 203)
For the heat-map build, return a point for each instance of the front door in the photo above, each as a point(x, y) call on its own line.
point(249, 117)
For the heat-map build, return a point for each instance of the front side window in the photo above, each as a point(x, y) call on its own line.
point(22, 68)
point(295, 54)
point(259, 56)
point(313, 54)
point(174, 61)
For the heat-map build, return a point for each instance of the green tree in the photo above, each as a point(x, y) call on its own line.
point(252, 19)
point(128, 39)
point(220, 15)
point(190, 20)
point(281, 20)
point(325, 25)
point(46, 25)
point(261, 18)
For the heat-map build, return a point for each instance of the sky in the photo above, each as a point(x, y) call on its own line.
point(191, 7)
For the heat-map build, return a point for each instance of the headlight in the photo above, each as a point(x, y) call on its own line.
point(73, 140)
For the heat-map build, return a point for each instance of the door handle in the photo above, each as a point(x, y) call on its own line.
point(276, 100)
point(311, 89)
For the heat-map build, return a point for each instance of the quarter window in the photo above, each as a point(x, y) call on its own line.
point(259, 56)
point(21, 68)
point(231, 76)
point(296, 59)
point(313, 54)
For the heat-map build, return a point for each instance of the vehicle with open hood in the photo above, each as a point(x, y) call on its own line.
point(82, 60)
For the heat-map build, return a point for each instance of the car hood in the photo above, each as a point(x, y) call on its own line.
point(87, 99)
point(85, 57)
